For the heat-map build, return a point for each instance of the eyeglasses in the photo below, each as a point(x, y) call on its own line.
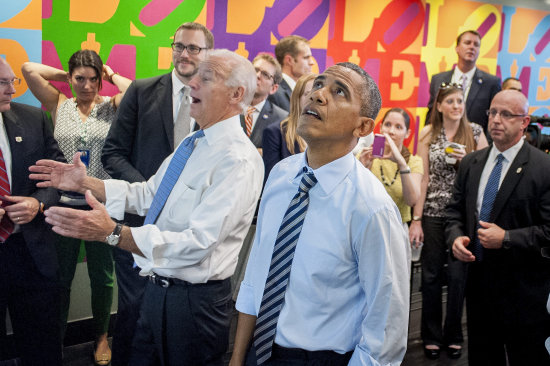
point(505, 115)
point(264, 74)
point(6, 83)
point(191, 49)
point(450, 85)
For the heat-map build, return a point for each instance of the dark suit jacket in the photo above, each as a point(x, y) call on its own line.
point(281, 97)
point(30, 136)
point(142, 135)
point(483, 89)
point(275, 148)
point(513, 282)
point(269, 114)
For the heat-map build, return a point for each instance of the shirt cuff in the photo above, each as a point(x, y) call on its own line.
point(245, 300)
point(115, 198)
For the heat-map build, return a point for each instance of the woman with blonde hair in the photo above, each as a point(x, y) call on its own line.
point(281, 140)
point(81, 124)
point(442, 145)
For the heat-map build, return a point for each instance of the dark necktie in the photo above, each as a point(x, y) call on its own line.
point(171, 176)
point(279, 269)
point(489, 195)
point(6, 225)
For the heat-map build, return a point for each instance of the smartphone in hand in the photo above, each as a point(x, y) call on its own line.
point(378, 145)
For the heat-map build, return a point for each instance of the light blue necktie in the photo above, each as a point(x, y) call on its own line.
point(489, 195)
point(171, 176)
point(279, 269)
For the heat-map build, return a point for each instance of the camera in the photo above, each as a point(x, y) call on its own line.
point(538, 133)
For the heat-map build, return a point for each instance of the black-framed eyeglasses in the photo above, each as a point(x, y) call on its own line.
point(492, 113)
point(264, 74)
point(191, 49)
point(6, 83)
point(450, 85)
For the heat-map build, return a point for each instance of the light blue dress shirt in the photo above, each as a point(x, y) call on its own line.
point(349, 283)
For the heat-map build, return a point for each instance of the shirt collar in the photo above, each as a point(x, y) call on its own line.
point(177, 84)
point(457, 75)
point(329, 175)
point(290, 81)
point(509, 154)
point(221, 131)
point(259, 106)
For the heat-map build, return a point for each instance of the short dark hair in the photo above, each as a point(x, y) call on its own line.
point(509, 79)
point(371, 101)
point(288, 45)
point(87, 58)
point(208, 36)
point(402, 112)
point(278, 76)
point(471, 31)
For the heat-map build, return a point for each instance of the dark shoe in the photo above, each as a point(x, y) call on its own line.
point(432, 354)
point(454, 353)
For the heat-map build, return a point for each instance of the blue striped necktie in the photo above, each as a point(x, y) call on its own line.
point(279, 269)
point(489, 195)
point(171, 176)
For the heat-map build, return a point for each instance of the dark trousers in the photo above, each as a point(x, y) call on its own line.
point(435, 273)
point(281, 356)
point(131, 287)
point(183, 325)
point(33, 304)
point(492, 338)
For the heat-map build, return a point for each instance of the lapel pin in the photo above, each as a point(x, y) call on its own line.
point(18, 138)
point(480, 81)
point(519, 170)
point(265, 116)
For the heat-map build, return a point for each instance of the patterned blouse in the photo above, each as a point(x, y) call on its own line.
point(72, 134)
point(442, 175)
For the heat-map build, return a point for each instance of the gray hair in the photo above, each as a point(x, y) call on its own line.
point(371, 100)
point(239, 72)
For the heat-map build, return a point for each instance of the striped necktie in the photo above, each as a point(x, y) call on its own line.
point(279, 269)
point(171, 176)
point(489, 195)
point(248, 120)
point(6, 225)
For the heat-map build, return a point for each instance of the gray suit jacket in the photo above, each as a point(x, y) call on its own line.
point(269, 114)
point(281, 97)
point(483, 89)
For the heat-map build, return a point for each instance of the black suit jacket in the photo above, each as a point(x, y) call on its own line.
point(281, 97)
point(513, 282)
point(142, 135)
point(269, 114)
point(30, 136)
point(483, 89)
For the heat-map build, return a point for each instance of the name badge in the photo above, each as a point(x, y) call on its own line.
point(85, 157)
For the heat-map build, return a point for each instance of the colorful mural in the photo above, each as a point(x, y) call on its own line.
point(401, 43)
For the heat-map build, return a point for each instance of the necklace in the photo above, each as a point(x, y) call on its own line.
point(384, 178)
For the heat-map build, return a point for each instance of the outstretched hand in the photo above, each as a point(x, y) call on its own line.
point(90, 225)
point(51, 173)
point(459, 249)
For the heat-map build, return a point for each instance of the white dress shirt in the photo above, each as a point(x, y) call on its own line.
point(290, 81)
point(5, 146)
point(258, 108)
point(509, 156)
point(349, 284)
point(198, 234)
point(457, 79)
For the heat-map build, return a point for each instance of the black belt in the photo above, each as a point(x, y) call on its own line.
point(168, 281)
point(279, 352)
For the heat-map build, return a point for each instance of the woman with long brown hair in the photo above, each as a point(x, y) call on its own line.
point(281, 140)
point(442, 145)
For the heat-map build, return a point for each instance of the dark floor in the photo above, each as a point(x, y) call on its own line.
point(81, 354)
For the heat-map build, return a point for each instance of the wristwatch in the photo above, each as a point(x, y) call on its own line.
point(417, 218)
point(506, 243)
point(114, 237)
point(407, 170)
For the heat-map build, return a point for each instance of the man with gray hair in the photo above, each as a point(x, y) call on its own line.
point(199, 206)
point(327, 279)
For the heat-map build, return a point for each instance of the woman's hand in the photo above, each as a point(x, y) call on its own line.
point(107, 73)
point(458, 153)
point(394, 154)
point(416, 234)
point(366, 157)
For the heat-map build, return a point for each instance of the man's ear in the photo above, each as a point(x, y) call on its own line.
point(274, 88)
point(365, 127)
point(288, 60)
point(237, 95)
